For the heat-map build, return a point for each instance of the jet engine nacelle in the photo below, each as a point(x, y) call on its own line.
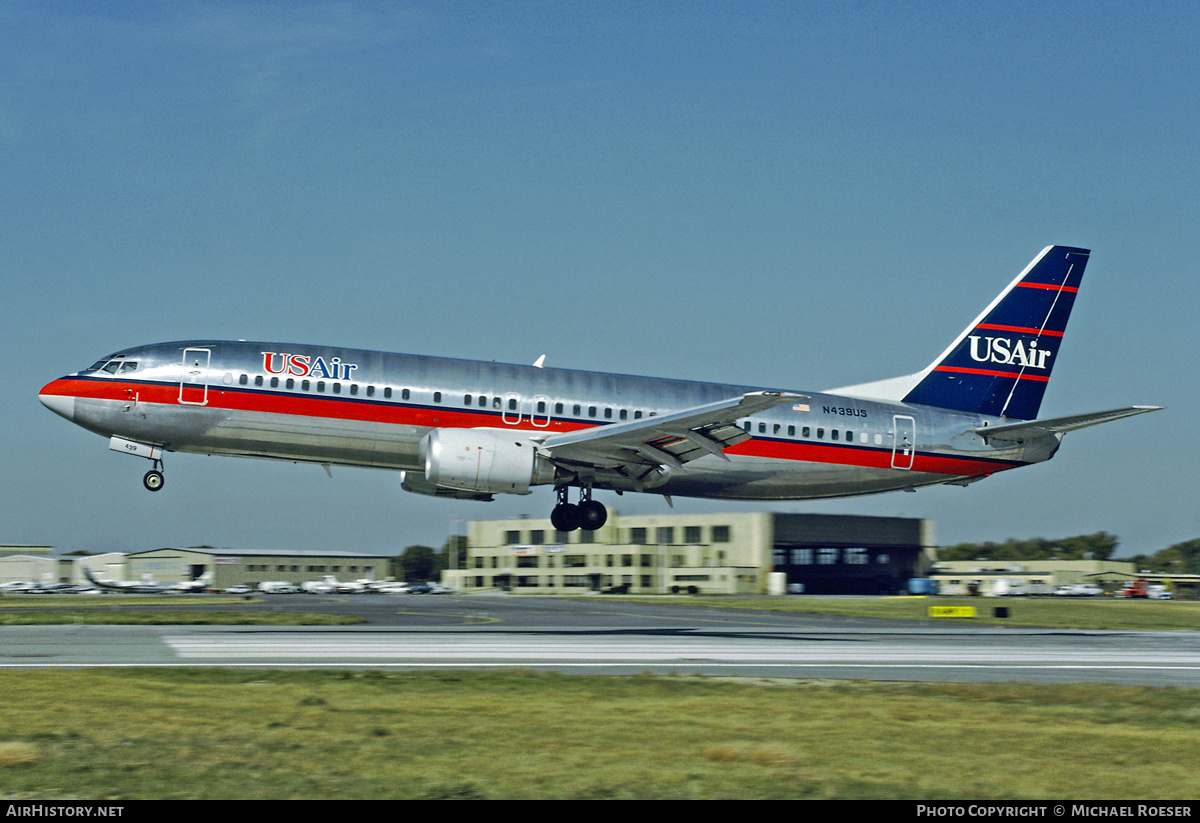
point(416, 483)
point(484, 461)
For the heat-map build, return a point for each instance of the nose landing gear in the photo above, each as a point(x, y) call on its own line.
point(153, 481)
point(588, 515)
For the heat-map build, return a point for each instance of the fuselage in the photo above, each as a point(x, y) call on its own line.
point(355, 407)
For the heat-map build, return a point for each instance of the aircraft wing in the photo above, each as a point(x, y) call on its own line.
point(1033, 429)
point(668, 439)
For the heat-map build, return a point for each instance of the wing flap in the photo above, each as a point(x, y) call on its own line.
point(669, 439)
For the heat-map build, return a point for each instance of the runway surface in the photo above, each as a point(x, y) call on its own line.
point(612, 637)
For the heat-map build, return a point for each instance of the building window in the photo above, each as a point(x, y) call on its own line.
point(666, 535)
point(720, 534)
point(637, 536)
point(691, 534)
point(512, 538)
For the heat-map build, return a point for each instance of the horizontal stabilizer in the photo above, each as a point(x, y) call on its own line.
point(1033, 429)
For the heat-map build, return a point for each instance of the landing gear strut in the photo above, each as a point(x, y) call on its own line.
point(588, 515)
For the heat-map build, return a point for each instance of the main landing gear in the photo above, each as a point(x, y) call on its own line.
point(588, 515)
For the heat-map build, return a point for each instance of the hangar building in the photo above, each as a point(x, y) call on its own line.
point(251, 567)
point(707, 553)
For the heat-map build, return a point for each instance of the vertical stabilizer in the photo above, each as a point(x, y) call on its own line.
point(1001, 363)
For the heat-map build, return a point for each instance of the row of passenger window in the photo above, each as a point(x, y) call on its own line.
point(806, 433)
point(320, 386)
point(541, 406)
point(508, 403)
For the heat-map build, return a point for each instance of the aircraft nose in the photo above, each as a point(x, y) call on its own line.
point(61, 404)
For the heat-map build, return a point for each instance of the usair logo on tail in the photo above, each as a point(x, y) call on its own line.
point(1003, 351)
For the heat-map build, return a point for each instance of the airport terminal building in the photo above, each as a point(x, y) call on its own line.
point(702, 553)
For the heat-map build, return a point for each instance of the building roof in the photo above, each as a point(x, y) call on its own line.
point(261, 553)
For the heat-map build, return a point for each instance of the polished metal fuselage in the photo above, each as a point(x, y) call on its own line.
point(355, 407)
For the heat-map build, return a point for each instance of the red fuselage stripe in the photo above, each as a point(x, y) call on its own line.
point(389, 412)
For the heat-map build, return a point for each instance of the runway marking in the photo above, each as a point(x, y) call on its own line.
point(633, 651)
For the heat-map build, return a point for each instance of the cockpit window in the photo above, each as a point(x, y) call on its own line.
point(113, 366)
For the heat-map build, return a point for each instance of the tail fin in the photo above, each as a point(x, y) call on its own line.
point(1001, 363)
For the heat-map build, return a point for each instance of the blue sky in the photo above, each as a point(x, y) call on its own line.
point(803, 195)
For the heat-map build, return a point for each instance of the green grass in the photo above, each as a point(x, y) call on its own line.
point(1049, 612)
point(211, 733)
point(175, 618)
point(35, 610)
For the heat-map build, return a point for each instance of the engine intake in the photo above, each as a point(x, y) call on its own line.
point(482, 460)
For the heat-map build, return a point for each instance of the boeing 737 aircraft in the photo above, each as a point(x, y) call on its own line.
point(470, 430)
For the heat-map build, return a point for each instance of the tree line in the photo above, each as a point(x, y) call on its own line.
point(1182, 558)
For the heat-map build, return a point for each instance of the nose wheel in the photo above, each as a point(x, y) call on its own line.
point(588, 515)
point(153, 481)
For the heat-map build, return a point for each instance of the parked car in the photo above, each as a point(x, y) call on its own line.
point(1079, 590)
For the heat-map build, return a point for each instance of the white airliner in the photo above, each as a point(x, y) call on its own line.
point(470, 430)
point(148, 586)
